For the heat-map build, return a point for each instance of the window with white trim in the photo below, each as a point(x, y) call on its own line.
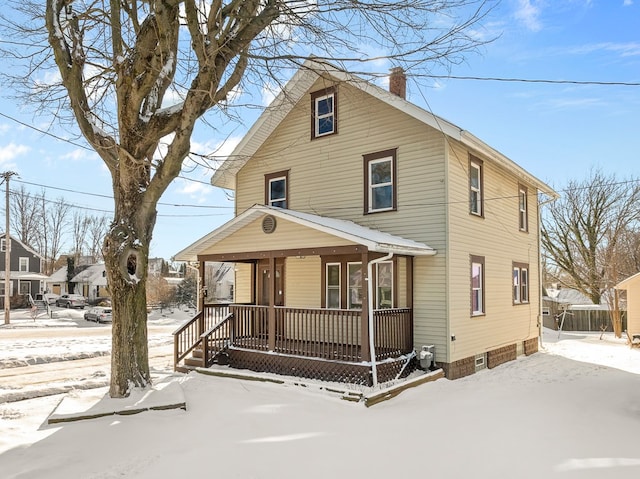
point(3, 245)
point(23, 264)
point(277, 189)
point(475, 187)
point(520, 283)
point(477, 286)
point(354, 291)
point(333, 285)
point(24, 287)
point(380, 177)
point(324, 113)
point(384, 285)
point(523, 217)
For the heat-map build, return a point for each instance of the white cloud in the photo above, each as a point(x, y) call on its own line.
point(627, 3)
point(201, 169)
point(528, 14)
point(9, 153)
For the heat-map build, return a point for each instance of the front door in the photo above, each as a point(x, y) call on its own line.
point(264, 282)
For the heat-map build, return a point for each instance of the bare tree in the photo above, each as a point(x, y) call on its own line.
point(56, 221)
point(97, 230)
point(80, 228)
point(119, 60)
point(585, 235)
point(25, 216)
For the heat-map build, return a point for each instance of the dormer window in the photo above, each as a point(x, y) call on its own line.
point(276, 188)
point(324, 113)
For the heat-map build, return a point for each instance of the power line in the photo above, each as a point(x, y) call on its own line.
point(535, 80)
point(177, 205)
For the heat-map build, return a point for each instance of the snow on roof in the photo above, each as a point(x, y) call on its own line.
point(374, 240)
point(296, 88)
point(92, 275)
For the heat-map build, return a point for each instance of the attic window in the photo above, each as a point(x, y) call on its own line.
point(324, 108)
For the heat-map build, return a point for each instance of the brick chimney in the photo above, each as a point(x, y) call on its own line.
point(398, 82)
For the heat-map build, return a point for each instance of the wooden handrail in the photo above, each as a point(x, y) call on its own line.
point(188, 336)
point(213, 343)
point(185, 339)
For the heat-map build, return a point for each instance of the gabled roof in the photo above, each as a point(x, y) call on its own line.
point(297, 87)
point(374, 240)
point(624, 284)
point(25, 246)
point(94, 274)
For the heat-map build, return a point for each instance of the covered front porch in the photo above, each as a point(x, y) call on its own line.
point(340, 312)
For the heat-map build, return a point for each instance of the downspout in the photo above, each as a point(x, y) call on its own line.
point(372, 351)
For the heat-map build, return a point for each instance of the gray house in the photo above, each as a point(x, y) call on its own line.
point(25, 268)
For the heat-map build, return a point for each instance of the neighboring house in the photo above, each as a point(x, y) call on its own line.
point(91, 282)
point(632, 286)
point(25, 266)
point(57, 282)
point(367, 228)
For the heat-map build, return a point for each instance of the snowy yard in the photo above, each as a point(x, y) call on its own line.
point(571, 411)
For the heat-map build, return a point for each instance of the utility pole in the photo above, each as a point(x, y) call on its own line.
point(7, 250)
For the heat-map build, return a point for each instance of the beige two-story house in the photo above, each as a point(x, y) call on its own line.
point(367, 230)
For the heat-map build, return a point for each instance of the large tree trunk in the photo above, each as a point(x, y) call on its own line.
point(126, 252)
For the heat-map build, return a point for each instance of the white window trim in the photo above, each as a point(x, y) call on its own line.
point(349, 303)
point(479, 289)
point(520, 287)
point(372, 187)
point(23, 260)
point(476, 190)
point(3, 245)
point(378, 284)
point(333, 287)
point(319, 117)
point(523, 208)
point(284, 197)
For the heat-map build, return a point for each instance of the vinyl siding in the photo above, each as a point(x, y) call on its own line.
point(497, 238)
point(326, 177)
point(242, 283)
point(302, 282)
point(288, 235)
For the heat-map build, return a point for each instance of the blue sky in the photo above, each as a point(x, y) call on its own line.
point(556, 131)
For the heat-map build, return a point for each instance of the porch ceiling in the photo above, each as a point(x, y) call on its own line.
point(373, 240)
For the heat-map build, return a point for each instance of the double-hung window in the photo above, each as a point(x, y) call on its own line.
point(3, 245)
point(333, 276)
point(276, 187)
point(475, 187)
point(384, 286)
point(324, 113)
point(477, 286)
point(523, 219)
point(23, 264)
point(520, 283)
point(380, 177)
point(342, 283)
point(354, 292)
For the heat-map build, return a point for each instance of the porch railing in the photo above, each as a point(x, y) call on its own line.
point(188, 336)
point(332, 334)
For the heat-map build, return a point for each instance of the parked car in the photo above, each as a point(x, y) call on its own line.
point(99, 314)
point(71, 301)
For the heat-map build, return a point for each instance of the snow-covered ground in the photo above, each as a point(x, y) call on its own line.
point(570, 411)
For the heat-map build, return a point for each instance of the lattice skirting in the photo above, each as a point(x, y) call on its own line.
point(333, 371)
